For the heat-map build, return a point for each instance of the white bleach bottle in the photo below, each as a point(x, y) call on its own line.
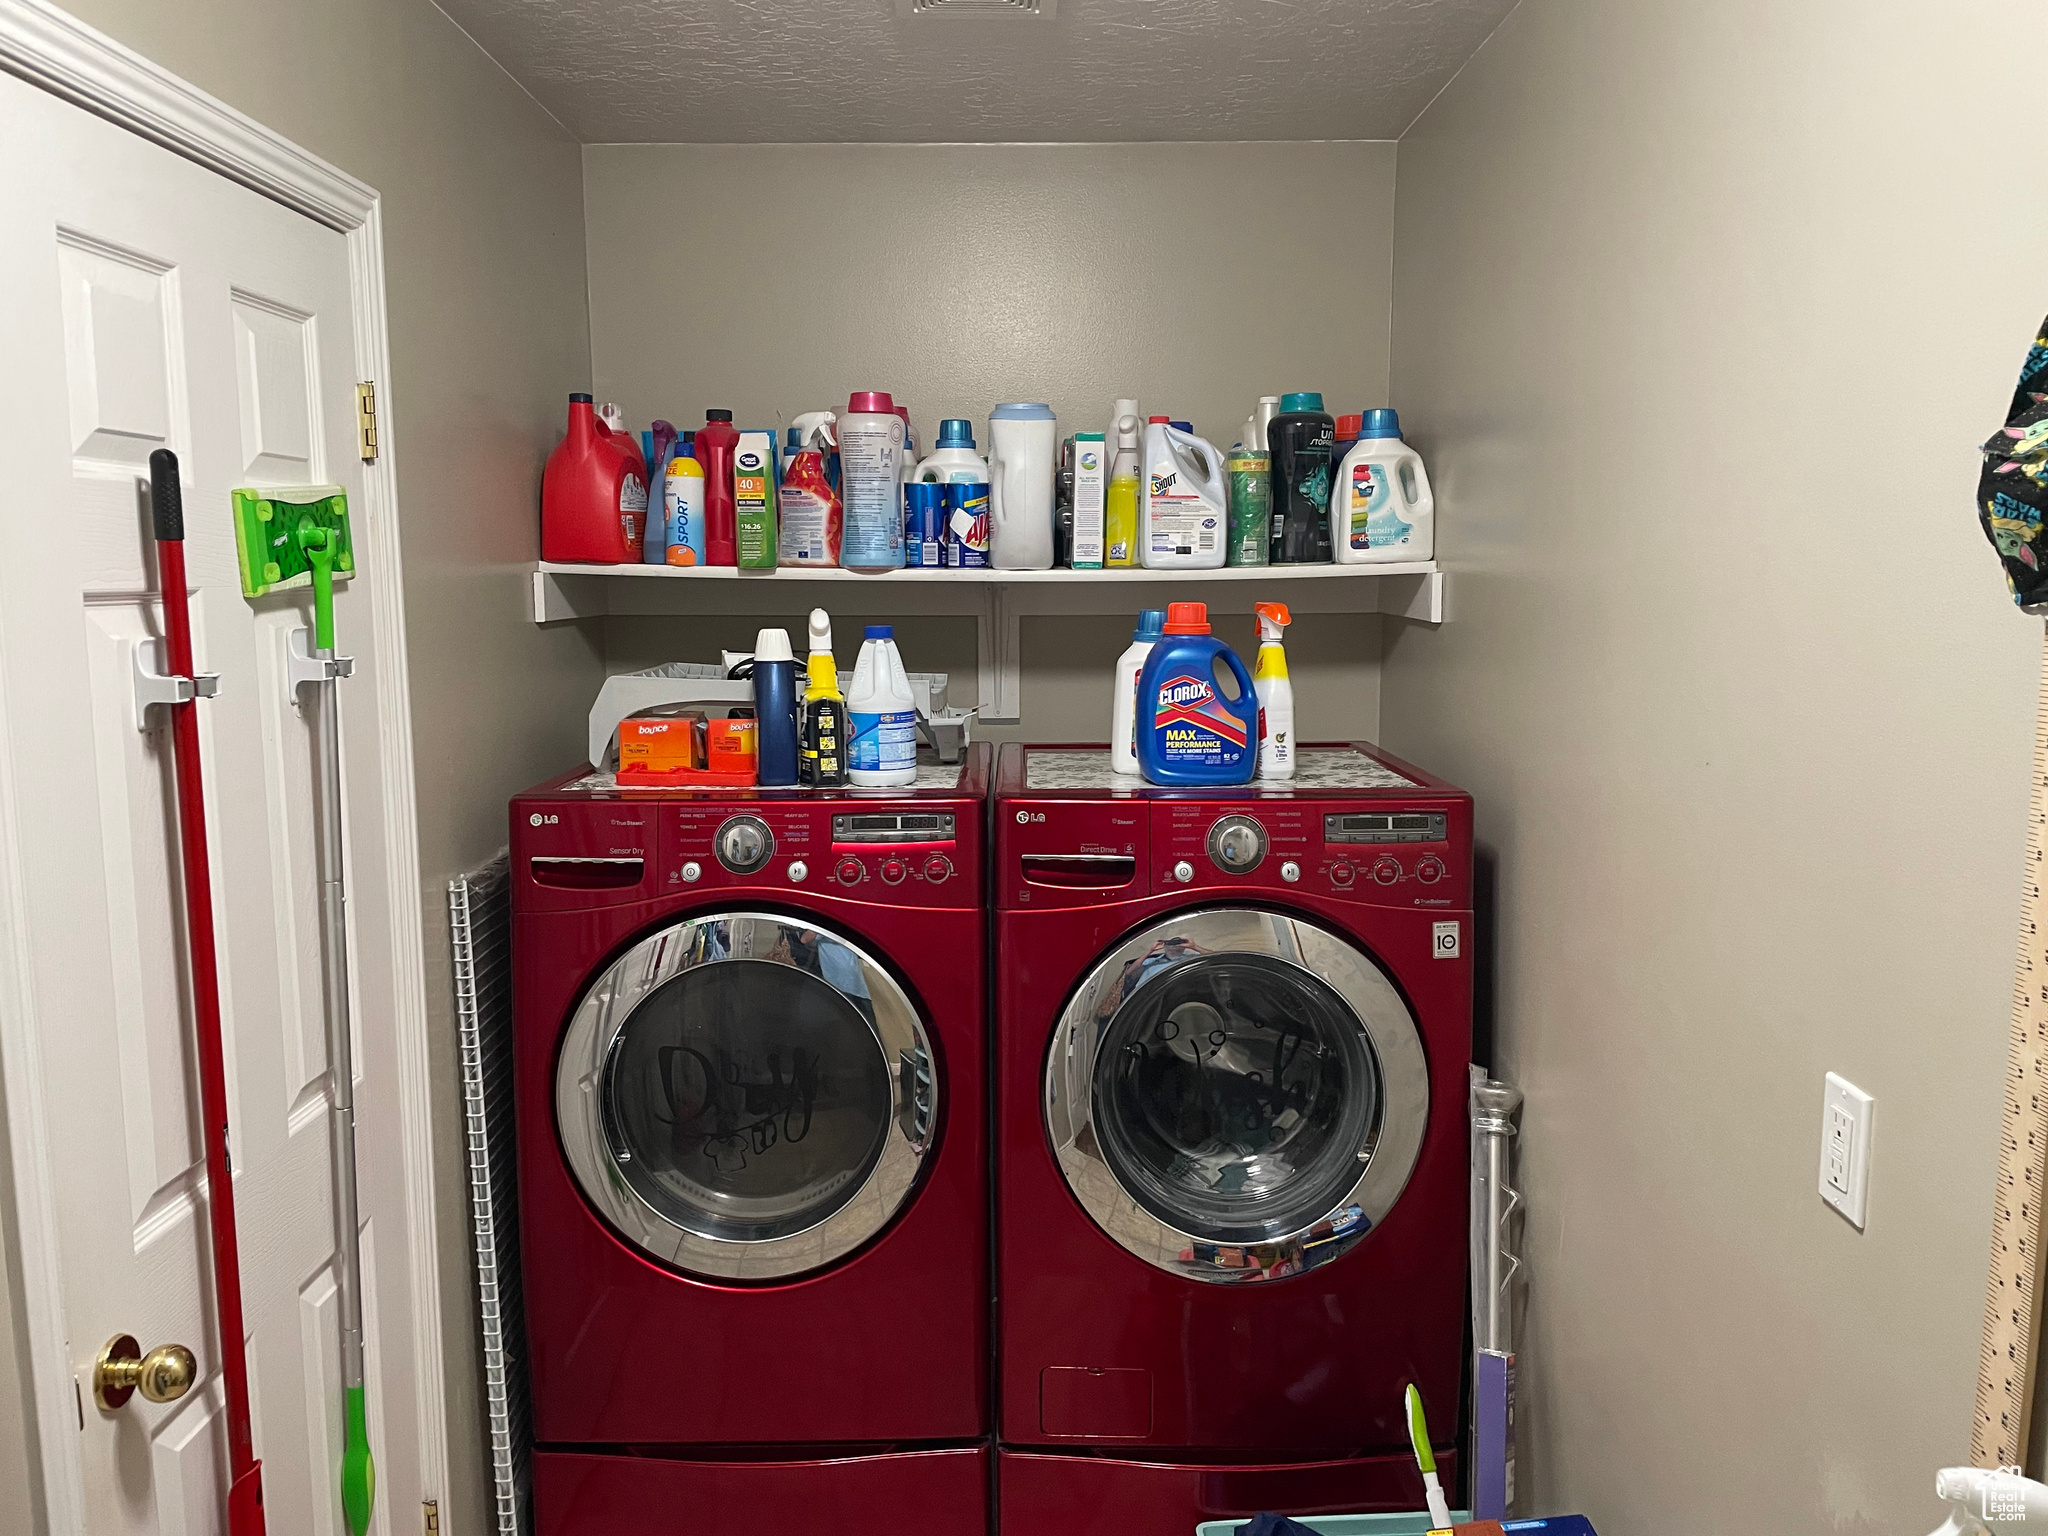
point(882, 714)
point(1380, 506)
point(1123, 701)
point(1183, 501)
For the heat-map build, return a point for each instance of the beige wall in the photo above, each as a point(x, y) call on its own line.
point(483, 250)
point(959, 276)
point(1699, 314)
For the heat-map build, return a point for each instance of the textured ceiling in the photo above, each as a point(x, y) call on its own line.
point(824, 71)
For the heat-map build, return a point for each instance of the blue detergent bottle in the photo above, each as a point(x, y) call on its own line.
point(1188, 732)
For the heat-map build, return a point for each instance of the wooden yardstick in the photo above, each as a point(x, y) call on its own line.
point(2012, 1293)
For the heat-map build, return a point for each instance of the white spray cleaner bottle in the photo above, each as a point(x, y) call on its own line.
point(1981, 1499)
point(1276, 693)
point(1123, 699)
point(883, 714)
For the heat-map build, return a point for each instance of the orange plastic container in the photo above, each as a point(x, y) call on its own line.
point(592, 495)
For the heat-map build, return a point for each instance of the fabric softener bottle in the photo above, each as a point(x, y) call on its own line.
point(1300, 439)
point(1189, 733)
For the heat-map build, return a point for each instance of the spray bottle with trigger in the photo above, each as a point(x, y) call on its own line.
point(1276, 693)
point(821, 744)
point(1983, 1499)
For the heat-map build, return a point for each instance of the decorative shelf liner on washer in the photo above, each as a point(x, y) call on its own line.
point(1315, 768)
point(930, 775)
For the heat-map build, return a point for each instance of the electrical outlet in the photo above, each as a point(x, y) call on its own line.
point(1845, 1115)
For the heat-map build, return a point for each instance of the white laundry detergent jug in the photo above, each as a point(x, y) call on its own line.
point(1023, 447)
point(1381, 509)
point(1186, 493)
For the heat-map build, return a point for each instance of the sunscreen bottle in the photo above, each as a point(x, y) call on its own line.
point(1276, 693)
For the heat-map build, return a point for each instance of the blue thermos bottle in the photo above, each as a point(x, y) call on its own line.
point(775, 707)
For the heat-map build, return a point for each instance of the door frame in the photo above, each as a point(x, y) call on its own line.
point(54, 51)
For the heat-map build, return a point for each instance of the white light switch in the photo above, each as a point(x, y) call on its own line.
point(1845, 1147)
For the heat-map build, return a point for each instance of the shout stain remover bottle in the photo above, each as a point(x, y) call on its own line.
point(1276, 693)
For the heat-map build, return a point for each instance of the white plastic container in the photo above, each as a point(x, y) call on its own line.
point(871, 441)
point(1183, 504)
point(1023, 448)
point(1123, 700)
point(1381, 509)
point(882, 745)
point(954, 461)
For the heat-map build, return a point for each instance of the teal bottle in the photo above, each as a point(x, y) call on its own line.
point(1188, 732)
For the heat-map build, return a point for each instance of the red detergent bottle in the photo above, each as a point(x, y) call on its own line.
point(1189, 732)
point(591, 496)
point(715, 442)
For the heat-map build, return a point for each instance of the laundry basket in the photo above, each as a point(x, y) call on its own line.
point(1416, 1524)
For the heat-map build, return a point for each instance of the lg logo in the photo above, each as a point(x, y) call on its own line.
point(1025, 818)
point(538, 820)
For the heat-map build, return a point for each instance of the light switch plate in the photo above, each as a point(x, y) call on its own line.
point(1845, 1116)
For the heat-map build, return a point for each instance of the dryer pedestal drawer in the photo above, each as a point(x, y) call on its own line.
point(882, 1493)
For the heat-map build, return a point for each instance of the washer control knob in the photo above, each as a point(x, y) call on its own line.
point(938, 867)
point(692, 872)
point(744, 844)
point(1290, 871)
point(849, 871)
point(1386, 871)
point(1341, 875)
point(1183, 871)
point(893, 871)
point(1429, 871)
point(1237, 844)
point(799, 871)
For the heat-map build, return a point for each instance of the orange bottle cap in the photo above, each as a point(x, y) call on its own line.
point(1187, 619)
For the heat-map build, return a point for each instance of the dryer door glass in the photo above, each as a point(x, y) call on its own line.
point(1237, 1094)
point(746, 1096)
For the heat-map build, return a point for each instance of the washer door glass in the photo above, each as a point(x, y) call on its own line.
point(1237, 1095)
point(746, 1096)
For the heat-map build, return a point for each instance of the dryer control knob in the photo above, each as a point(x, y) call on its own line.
point(938, 867)
point(799, 871)
point(849, 871)
point(1429, 871)
point(1290, 871)
point(893, 871)
point(744, 844)
point(1183, 871)
point(1386, 872)
point(1342, 875)
point(692, 872)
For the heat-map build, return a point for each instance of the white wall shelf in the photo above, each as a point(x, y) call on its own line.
point(997, 600)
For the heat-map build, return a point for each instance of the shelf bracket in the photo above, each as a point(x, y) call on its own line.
point(557, 599)
point(998, 654)
point(1423, 598)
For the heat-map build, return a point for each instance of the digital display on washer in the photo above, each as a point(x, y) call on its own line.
point(1386, 827)
point(894, 827)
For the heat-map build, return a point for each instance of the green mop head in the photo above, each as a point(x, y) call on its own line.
point(268, 535)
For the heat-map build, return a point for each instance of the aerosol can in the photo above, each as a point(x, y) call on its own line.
point(1276, 693)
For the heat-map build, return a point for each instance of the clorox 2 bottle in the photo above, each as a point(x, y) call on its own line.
point(1188, 731)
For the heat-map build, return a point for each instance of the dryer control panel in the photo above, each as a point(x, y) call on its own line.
point(909, 857)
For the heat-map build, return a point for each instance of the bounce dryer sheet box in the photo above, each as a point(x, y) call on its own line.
point(1091, 481)
point(659, 746)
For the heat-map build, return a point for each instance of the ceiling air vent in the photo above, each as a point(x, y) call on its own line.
point(977, 7)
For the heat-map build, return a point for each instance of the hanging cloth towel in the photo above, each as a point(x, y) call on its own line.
point(2012, 495)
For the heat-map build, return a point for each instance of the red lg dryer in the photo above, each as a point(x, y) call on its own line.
point(1232, 1032)
point(752, 1173)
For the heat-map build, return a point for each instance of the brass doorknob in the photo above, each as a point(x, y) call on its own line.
point(165, 1374)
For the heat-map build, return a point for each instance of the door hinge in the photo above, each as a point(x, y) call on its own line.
point(430, 1512)
point(366, 421)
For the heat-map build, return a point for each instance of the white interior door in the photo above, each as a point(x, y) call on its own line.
point(150, 303)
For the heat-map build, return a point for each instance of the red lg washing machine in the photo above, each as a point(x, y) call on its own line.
point(752, 1172)
point(1232, 1030)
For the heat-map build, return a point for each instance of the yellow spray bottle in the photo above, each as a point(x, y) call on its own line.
point(1276, 693)
point(1120, 499)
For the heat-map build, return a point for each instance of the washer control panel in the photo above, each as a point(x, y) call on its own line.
point(1394, 857)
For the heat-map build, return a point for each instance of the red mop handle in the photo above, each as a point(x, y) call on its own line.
point(245, 1491)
